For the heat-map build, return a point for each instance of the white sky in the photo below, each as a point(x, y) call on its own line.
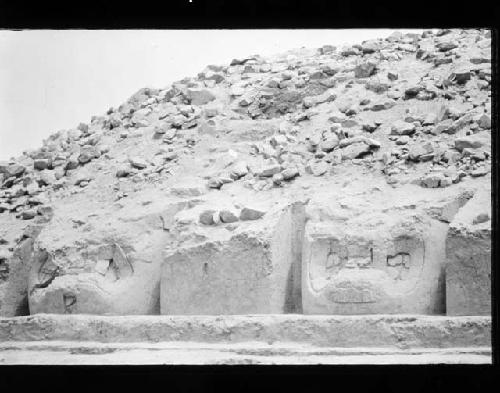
point(52, 80)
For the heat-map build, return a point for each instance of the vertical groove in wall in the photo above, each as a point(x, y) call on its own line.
point(293, 302)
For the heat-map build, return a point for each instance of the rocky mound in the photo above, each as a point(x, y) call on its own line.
point(318, 181)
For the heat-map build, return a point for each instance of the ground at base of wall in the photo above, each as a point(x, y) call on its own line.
point(60, 352)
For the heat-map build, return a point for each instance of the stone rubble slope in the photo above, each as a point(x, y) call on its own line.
point(241, 161)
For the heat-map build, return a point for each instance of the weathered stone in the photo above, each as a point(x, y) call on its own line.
point(47, 177)
point(372, 143)
point(360, 271)
point(446, 46)
point(418, 150)
point(382, 104)
point(430, 119)
point(349, 51)
point(199, 96)
point(215, 182)
point(248, 214)
point(82, 179)
point(349, 123)
point(413, 116)
point(461, 74)
point(369, 126)
point(83, 127)
point(484, 121)
point(228, 216)
point(15, 263)
point(377, 87)
point(41, 164)
point(479, 172)
point(432, 180)
point(395, 37)
point(124, 171)
point(445, 182)
point(468, 259)
point(12, 170)
point(187, 190)
point(364, 70)
point(238, 170)
point(400, 127)
point(413, 91)
point(87, 154)
point(277, 179)
point(28, 214)
point(138, 163)
point(450, 209)
point(327, 49)
point(392, 76)
point(337, 117)
point(470, 141)
point(72, 163)
point(207, 217)
point(403, 140)
point(290, 173)
point(370, 46)
point(355, 150)
point(242, 275)
point(329, 143)
point(442, 60)
point(319, 168)
point(269, 170)
point(211, 75)
point(216, 218)
point(480, 218)
point(447, 126)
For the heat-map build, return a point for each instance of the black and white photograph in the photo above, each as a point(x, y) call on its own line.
point(246, 196)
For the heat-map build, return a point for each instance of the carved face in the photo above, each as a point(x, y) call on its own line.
point(349, 270)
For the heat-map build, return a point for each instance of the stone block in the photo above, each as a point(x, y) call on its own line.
point(249, 273)
point(385, 271)
point(468, 259)
point(108, 271)
point(14, 268)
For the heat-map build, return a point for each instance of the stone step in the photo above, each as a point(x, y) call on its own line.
point(331, 331)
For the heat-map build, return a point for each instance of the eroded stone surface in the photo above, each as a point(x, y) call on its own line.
point(16, 257)
point(468, 252)
point(113, 269)
point(373, 263)
point(250, 272)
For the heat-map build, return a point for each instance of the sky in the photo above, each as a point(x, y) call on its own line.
point(54, 79)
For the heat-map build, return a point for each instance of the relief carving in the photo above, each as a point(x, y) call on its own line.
point(348, 273)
